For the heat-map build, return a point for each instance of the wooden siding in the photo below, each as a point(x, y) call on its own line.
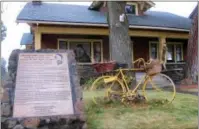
point(141, 47)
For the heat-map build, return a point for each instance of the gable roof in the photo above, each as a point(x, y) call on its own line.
point(64, 13)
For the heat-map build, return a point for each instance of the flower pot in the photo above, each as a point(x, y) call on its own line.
point(104, 67)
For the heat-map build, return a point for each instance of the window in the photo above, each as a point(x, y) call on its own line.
point(175, 52)
point(63, 45)
point(178, 53)
point(131, 8)
point(82, 51)
point(86, 51)
point(153, 49)
point(97, 51)
point(170, 53)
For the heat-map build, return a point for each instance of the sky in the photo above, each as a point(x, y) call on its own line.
point(15, 31)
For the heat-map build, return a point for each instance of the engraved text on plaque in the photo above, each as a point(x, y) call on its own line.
point(43, 85)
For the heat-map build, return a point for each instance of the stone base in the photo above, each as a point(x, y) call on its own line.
point(48, 123)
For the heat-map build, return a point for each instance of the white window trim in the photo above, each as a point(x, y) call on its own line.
point(84, 40)
point(175, 43)
point(154, 42)
point(136, 8)
point(182, 54)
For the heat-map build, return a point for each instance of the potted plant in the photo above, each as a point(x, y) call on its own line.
point(105, 66)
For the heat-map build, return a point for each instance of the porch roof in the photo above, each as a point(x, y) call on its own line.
point(27, 39)
point(64, 13)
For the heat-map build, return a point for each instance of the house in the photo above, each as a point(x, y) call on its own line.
point(192, 49)
point(62, 26)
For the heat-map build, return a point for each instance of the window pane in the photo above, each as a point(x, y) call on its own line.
point(62, 44)
point(178, 53)
point(170, 53)
point(130, 9)
point(97, 51)
point(154, 50)
point(82, 51)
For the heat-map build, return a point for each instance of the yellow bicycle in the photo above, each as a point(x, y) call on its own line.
point(116, 86)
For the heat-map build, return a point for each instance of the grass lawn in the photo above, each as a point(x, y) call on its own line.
point(181, 114)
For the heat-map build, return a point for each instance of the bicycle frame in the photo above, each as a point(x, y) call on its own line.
point(124, 81)
point(119, 71)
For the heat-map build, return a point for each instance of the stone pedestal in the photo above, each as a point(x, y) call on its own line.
point(76, 121)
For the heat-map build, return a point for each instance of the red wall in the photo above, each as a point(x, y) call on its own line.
point(141, 47)
point(141, 44)
point(49, 41)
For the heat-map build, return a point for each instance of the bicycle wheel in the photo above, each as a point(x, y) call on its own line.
point(160, 87)
point(116, 90)
point(99, 90)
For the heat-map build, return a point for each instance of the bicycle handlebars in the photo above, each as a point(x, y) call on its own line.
point(141, 60)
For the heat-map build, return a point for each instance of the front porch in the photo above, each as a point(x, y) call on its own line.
point(95, 42)
point(97, 47)
point(97, 50)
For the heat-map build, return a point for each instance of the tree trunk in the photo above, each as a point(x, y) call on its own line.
point(192, 51)
point(119, 39)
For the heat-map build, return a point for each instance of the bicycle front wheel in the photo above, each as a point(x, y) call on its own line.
point(159, 87)
point(99, 90)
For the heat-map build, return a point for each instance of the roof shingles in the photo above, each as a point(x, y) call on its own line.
point(81, 14)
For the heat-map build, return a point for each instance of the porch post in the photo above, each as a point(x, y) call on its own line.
point(37, 39)
point(162, 43)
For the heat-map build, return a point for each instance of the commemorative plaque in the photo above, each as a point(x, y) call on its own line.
point(43, 85)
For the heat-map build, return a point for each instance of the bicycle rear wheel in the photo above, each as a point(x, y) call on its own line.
point(160, 87)
point(99, 90)
point(116, 90)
